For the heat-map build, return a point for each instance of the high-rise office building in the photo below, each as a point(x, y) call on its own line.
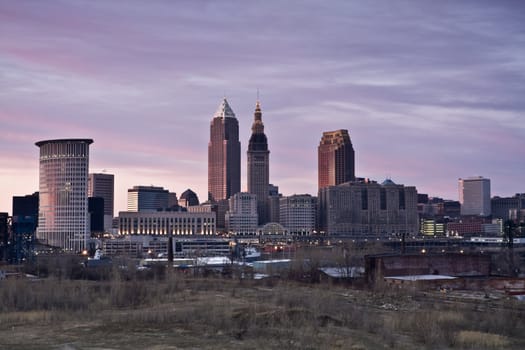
point(63, 202)
point(224, 154)
point(336, 163)
point(224, 160)
point(103, 186)
point(151, 198)
point(259, 165)
point(474, 196)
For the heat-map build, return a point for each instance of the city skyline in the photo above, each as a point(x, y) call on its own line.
point(428, 92)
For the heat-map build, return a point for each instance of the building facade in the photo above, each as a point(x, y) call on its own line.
point(143, 198)
point(103, 186)
point(4, 236)
point(24, 224)
point(224, 155)
point(173, 201)
point(336, 159)
point(509, 208)
point(364, 208)
point(273, 203)
point(63, 186)
point(224, 160)
point(298, 213)
point(258, 157)
point(165, 223)
point(474, 196)
point(241, 218)
point(96, 215)
point(431, 227)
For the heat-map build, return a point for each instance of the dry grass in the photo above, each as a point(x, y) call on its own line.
point(172, 310)
point(480, 340)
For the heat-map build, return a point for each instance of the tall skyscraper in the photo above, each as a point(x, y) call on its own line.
point(474, 196)
point(63, 202)
point(259, 165)
point(336, 163)
point(103, 186)
point(224, 160)
point(224, 155)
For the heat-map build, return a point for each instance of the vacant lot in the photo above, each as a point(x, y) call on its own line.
point(177, 311)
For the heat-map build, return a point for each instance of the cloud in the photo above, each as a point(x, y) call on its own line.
point(429, 91)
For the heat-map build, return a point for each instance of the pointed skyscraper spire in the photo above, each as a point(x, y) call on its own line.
point(224, 110)
point(259, 164)
point(257, 126)
point(224, 155)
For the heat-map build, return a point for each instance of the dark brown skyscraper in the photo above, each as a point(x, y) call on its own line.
point(335, 159)
point(259, 165)
point(224, 155)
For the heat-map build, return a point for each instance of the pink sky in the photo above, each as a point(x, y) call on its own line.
point(429, 92)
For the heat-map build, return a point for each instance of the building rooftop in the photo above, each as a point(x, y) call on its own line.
point(43, 142)
point(388, 182)
point(224, 110)
point(421, 277)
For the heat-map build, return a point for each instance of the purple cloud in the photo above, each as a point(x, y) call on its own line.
point(429, 91)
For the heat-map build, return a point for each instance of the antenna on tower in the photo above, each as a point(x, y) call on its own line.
point(257, 94)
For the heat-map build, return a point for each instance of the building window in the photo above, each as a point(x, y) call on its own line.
point(382, 198)
point(364, 199)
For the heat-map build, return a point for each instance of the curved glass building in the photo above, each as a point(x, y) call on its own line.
point(63, 184)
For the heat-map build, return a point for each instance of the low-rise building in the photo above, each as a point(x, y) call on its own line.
point(146, 198)
point(164, 223)
point(241, 218)
point(431, 227)
point(509, 208)
point(298, 214)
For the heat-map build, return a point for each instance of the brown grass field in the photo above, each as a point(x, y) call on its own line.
point(174, 310)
